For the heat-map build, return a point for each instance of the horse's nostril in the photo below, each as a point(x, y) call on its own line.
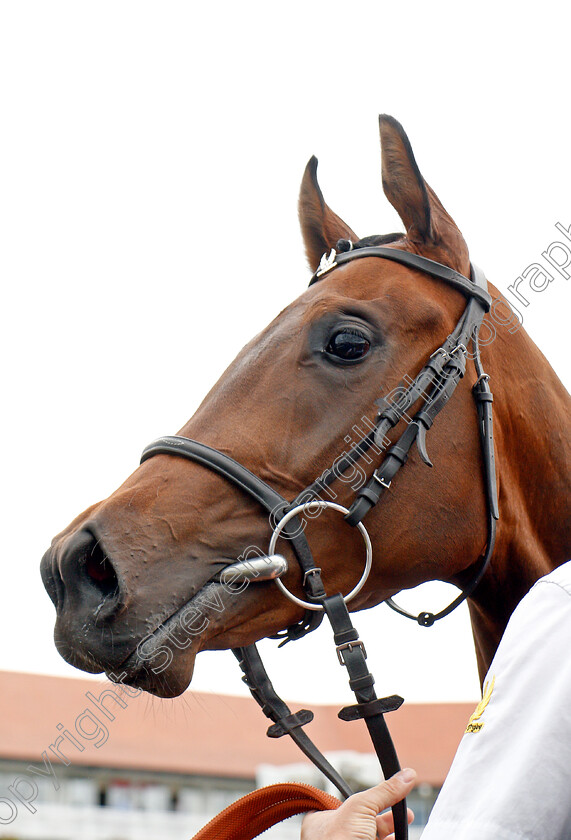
point(90, 580)
point(100, 575)
point(99, 568)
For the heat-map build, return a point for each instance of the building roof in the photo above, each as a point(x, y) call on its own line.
point(198, 733)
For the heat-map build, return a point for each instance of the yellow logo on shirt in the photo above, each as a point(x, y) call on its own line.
point(475, 724)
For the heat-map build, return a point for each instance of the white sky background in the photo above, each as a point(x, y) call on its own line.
point(151, 155)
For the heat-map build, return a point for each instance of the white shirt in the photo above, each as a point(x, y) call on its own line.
point(511, 777)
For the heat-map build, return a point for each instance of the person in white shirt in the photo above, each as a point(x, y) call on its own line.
point(511, 776)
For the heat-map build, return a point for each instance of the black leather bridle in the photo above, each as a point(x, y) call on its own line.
point(431, 389)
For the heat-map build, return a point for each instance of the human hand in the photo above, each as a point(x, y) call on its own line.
point(358, 817)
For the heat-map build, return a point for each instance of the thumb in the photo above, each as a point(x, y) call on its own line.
point(385, 794)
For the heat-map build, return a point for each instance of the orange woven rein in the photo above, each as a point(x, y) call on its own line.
point(257, 811)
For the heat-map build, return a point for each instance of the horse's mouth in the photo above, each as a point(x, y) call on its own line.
point(162, 663)
point(147, 635)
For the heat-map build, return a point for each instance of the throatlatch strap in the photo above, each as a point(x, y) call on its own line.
point(263, 808)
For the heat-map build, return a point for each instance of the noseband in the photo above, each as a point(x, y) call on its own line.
point(432, 387)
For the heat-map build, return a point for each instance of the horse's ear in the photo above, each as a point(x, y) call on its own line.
point(321, 228)
point(425, 219)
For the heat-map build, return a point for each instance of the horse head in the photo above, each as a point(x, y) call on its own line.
point(294, 400)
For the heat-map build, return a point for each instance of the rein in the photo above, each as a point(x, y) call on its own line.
point(433, 386)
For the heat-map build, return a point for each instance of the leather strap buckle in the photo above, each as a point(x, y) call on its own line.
point(381, 481)
point(315, 571)
point(349, 646)
point(439, 351)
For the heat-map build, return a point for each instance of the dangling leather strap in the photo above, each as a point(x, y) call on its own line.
point(257, 811)
point(284, 721)
point(351, 653)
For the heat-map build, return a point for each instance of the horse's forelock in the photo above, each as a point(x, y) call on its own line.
point(382, 239)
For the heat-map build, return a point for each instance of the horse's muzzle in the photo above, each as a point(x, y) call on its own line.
point(102, 619)
point(88, 594)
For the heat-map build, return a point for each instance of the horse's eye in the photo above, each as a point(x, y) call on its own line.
point(350, 345)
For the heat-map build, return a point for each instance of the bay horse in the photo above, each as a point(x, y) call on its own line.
point(286, 409)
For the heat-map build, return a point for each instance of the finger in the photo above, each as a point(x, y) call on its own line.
point(385, 794)
point(386, 825)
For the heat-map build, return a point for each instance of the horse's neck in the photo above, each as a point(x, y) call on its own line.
point(531, 416)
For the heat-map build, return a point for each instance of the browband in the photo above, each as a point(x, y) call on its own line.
point(442, 272)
